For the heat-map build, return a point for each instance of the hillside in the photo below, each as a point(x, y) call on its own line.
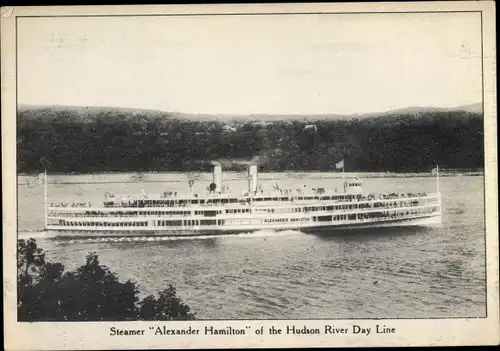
point(92, 112)
point(97, 139)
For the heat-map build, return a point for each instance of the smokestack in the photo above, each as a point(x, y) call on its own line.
point(217, 176)
point(252, 179)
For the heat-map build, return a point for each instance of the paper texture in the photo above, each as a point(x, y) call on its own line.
point(283, 62)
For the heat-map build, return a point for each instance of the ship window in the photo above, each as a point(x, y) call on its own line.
point(324, 218)
point(208, 222)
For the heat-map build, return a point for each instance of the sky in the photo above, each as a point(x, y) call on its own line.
point(286, 64)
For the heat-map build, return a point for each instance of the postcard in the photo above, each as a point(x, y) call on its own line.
point(229, 176)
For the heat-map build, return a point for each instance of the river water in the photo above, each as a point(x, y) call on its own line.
point(397, 273)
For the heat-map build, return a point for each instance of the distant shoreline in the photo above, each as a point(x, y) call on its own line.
point(328, 175)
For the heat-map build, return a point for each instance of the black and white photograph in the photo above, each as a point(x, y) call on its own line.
point(330, 172)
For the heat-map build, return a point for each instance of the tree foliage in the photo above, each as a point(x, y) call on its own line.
point(90, 293)
point(69, 141)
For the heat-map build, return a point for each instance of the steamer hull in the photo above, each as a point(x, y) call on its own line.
point(431, 219)
point(218, 212)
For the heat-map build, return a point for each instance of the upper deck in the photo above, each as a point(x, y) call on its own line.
point(235, 202)
point(218, 196)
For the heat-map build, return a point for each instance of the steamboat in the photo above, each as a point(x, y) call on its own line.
point(218, 211)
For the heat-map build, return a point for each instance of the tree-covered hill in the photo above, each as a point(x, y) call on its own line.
point(78, 139)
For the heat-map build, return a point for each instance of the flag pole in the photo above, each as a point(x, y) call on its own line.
point(45, 196)
point(437, 179)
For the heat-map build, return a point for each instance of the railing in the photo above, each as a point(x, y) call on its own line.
point(249, 201)
point(338, 219)
point(256, 211)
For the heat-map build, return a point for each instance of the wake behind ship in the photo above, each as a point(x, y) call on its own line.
point(218, 211)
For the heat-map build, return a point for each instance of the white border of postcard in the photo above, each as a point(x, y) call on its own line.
point(96, 335)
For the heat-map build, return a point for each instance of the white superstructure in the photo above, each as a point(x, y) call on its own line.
point(219, 212)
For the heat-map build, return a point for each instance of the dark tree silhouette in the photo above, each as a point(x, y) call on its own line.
point(82, 141)
point(90, 293)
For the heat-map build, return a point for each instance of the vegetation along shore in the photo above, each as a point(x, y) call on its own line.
point(46, 292)
point(69, 140)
